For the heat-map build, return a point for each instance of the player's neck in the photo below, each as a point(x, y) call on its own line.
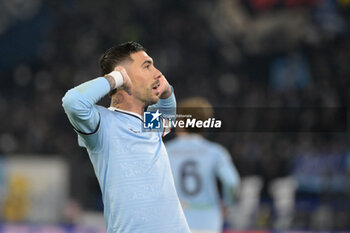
point(128, 104)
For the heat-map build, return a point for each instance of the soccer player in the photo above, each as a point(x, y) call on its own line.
point(196, 164)
point(131, 164)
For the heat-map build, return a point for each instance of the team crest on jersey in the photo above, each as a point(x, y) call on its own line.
point(152, 120)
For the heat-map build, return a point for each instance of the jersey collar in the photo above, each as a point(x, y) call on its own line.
point(127, 112)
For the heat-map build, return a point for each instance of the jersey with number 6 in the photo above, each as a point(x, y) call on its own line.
point(196, 163)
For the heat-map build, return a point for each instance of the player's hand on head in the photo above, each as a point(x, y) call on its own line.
point(127, 84)
point(165, 89)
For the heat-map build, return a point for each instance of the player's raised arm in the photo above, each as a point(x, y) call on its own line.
point(167, 100)
point(79, 102)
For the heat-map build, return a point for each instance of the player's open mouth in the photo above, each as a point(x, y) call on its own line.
point(155, 87)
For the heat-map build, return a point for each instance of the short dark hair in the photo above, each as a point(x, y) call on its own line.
point(117, 54)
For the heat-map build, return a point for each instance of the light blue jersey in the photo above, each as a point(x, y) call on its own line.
point(196, 163)
point(131, 165)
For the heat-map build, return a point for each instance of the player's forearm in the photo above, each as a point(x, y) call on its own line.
point(83, 97)
point(93, 90)
point(79, 102)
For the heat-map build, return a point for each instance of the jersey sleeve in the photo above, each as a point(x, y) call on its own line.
point(228, 175)
point(79, 104)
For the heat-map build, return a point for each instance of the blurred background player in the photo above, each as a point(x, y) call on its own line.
point(196, 164)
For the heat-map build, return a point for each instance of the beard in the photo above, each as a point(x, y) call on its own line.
point(149, 99)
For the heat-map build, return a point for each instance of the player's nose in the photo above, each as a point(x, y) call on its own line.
point(158, 74)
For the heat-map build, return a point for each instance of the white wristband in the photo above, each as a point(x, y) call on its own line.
point(118, 78)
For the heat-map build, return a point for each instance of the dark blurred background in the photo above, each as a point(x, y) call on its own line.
point(253, 53)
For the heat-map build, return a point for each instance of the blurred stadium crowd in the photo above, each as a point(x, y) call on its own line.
point(253, 53)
